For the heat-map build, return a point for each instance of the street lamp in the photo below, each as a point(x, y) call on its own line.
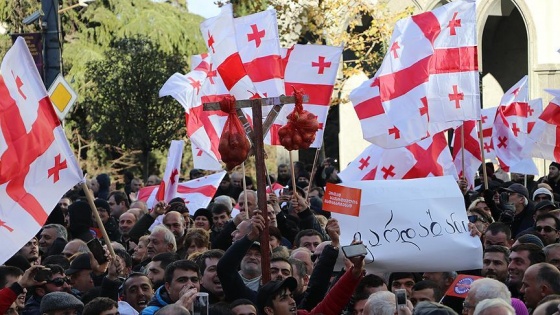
point(81, 3)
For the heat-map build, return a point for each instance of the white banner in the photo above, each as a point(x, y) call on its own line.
point(413, 225)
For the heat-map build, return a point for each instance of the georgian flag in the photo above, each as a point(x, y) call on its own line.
point(487, 117)
point(453, 86)
point(473, 157)
point(220, 38)
point(428, 157)
point(170, 180)
point(313, 69)
point(259, 47)
point(545, 135)
point(196, 193)
point(37, 165)
point(511, 126)
point(187, 90)
point(428, 80)
point(527, 165)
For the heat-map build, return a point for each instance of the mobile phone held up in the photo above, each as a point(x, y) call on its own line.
point(97, 250)
point(43, 275)
point(400, 296)
point(354, 250)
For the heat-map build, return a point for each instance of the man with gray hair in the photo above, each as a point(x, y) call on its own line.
point(519, 199)
point(225, 200)
point(161, 240)
point(49, 234)
point(251, 201)
point(483, 289)
point(381, 303)
point(494, 306)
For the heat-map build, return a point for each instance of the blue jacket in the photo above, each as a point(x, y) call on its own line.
point(32, 306)
point(159, 300)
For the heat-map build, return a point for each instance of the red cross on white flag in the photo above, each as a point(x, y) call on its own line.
point(428, 81)
point(510, 129)
point(189, 96)
point(170, 180)
point(428, 157)
point(37, 165)
point(220, 37)
point(260, 51)
point(487, 116)
point(312, 68)
point(473, 158)
point(544, 138)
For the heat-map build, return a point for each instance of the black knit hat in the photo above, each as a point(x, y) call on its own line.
point(205, 213)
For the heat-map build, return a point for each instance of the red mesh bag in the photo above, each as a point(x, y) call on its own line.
point(299, 132)
point(234, 145)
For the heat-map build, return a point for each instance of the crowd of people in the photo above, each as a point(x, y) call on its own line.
point(166, 256)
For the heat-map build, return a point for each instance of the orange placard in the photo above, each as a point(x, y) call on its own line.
point(344, 200)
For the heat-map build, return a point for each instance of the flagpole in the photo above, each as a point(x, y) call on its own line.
point(245, 192)
point(294, 191)
point(314, 168)
point(480, 138)
point(89, 197)
point(463, 149)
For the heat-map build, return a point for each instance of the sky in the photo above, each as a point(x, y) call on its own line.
point(205, 8)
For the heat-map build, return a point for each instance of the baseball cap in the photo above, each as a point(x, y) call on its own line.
point(78, 264)
point(544, 205)
point(518, 188)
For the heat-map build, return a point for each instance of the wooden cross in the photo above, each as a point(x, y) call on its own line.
point(256, 137)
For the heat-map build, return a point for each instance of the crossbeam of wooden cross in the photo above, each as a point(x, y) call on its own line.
point(276, 103)
point(256, 136)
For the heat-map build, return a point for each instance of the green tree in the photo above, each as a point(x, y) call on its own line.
point(122, 103)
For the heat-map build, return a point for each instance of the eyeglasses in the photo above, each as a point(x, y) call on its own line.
point(59, 281)
point(481, 219)
point(546, 228)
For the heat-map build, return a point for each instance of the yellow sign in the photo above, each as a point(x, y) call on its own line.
point(62, 96)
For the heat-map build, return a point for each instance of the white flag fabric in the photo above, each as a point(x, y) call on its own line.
point(187, 90)
point(544, 138)
point(487, 116)
point(510, 125)
point(37, 165)
point(220, 39)
point(196, 193)
point(473, 157)
point(170, 180)
point(428, 81)
point(260, 51)
point(313, 69)
point(428, 157)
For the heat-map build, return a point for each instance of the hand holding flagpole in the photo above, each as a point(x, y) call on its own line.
point(89, 197)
